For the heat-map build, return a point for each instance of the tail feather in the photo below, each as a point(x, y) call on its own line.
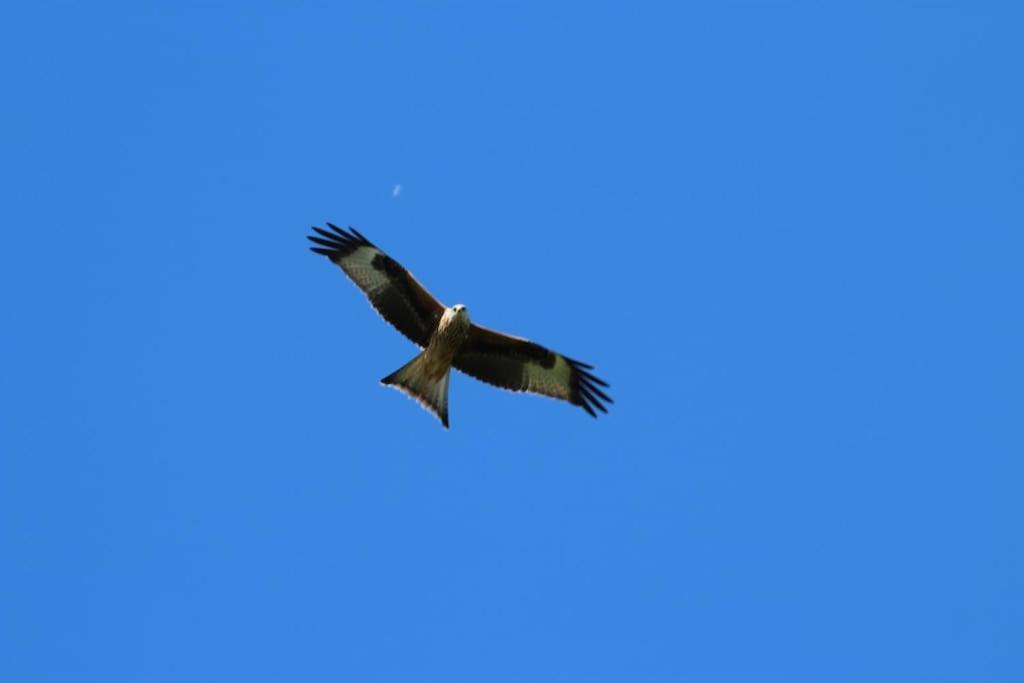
point(413, 380)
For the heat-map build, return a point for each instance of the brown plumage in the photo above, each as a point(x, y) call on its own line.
point(449, 339)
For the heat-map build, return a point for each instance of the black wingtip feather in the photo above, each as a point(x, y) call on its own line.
point(597, 392)
point(341, 233)
point(340, 243)
point(322, 242)
point(585, 386)
point(589, 398)
point(329, 235)
point(594, 379)
point(359, 235)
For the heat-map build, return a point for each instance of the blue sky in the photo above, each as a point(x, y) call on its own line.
point(789, 236)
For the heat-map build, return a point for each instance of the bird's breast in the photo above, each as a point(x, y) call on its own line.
point(448, 338)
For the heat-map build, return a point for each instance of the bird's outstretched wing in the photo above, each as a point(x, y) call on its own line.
point(521, 365)
point(392, 290)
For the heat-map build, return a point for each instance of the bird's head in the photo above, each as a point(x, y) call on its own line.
point(460, 310)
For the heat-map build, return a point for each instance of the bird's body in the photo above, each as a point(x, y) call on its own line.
point(452, 332)
point(425, 377)
point(449, 339)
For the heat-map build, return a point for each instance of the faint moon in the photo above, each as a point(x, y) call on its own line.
point(396, 190)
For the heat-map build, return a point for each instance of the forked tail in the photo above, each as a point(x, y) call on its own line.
point(415, 381)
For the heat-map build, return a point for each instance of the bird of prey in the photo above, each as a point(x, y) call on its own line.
point(449, 339)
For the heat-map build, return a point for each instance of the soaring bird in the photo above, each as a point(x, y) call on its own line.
point(449, 339)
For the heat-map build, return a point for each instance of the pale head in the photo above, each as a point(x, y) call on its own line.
point(454, 325)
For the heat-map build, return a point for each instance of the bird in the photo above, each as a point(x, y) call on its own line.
point(448, 337)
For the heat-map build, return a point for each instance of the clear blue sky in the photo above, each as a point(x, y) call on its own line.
point(790, 237)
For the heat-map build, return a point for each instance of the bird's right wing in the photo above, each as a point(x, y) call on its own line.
point(392, 290)
point(518, 364)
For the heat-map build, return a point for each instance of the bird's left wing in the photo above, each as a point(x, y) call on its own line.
point(392, 290)
point(520, 365)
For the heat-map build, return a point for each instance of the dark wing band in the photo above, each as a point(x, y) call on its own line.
point(392, 290)
point(521, 365)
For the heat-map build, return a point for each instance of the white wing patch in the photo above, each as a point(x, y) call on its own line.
point(358, 266)
point(549, 381)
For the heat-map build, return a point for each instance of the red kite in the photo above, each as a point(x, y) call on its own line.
point(449, 339)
